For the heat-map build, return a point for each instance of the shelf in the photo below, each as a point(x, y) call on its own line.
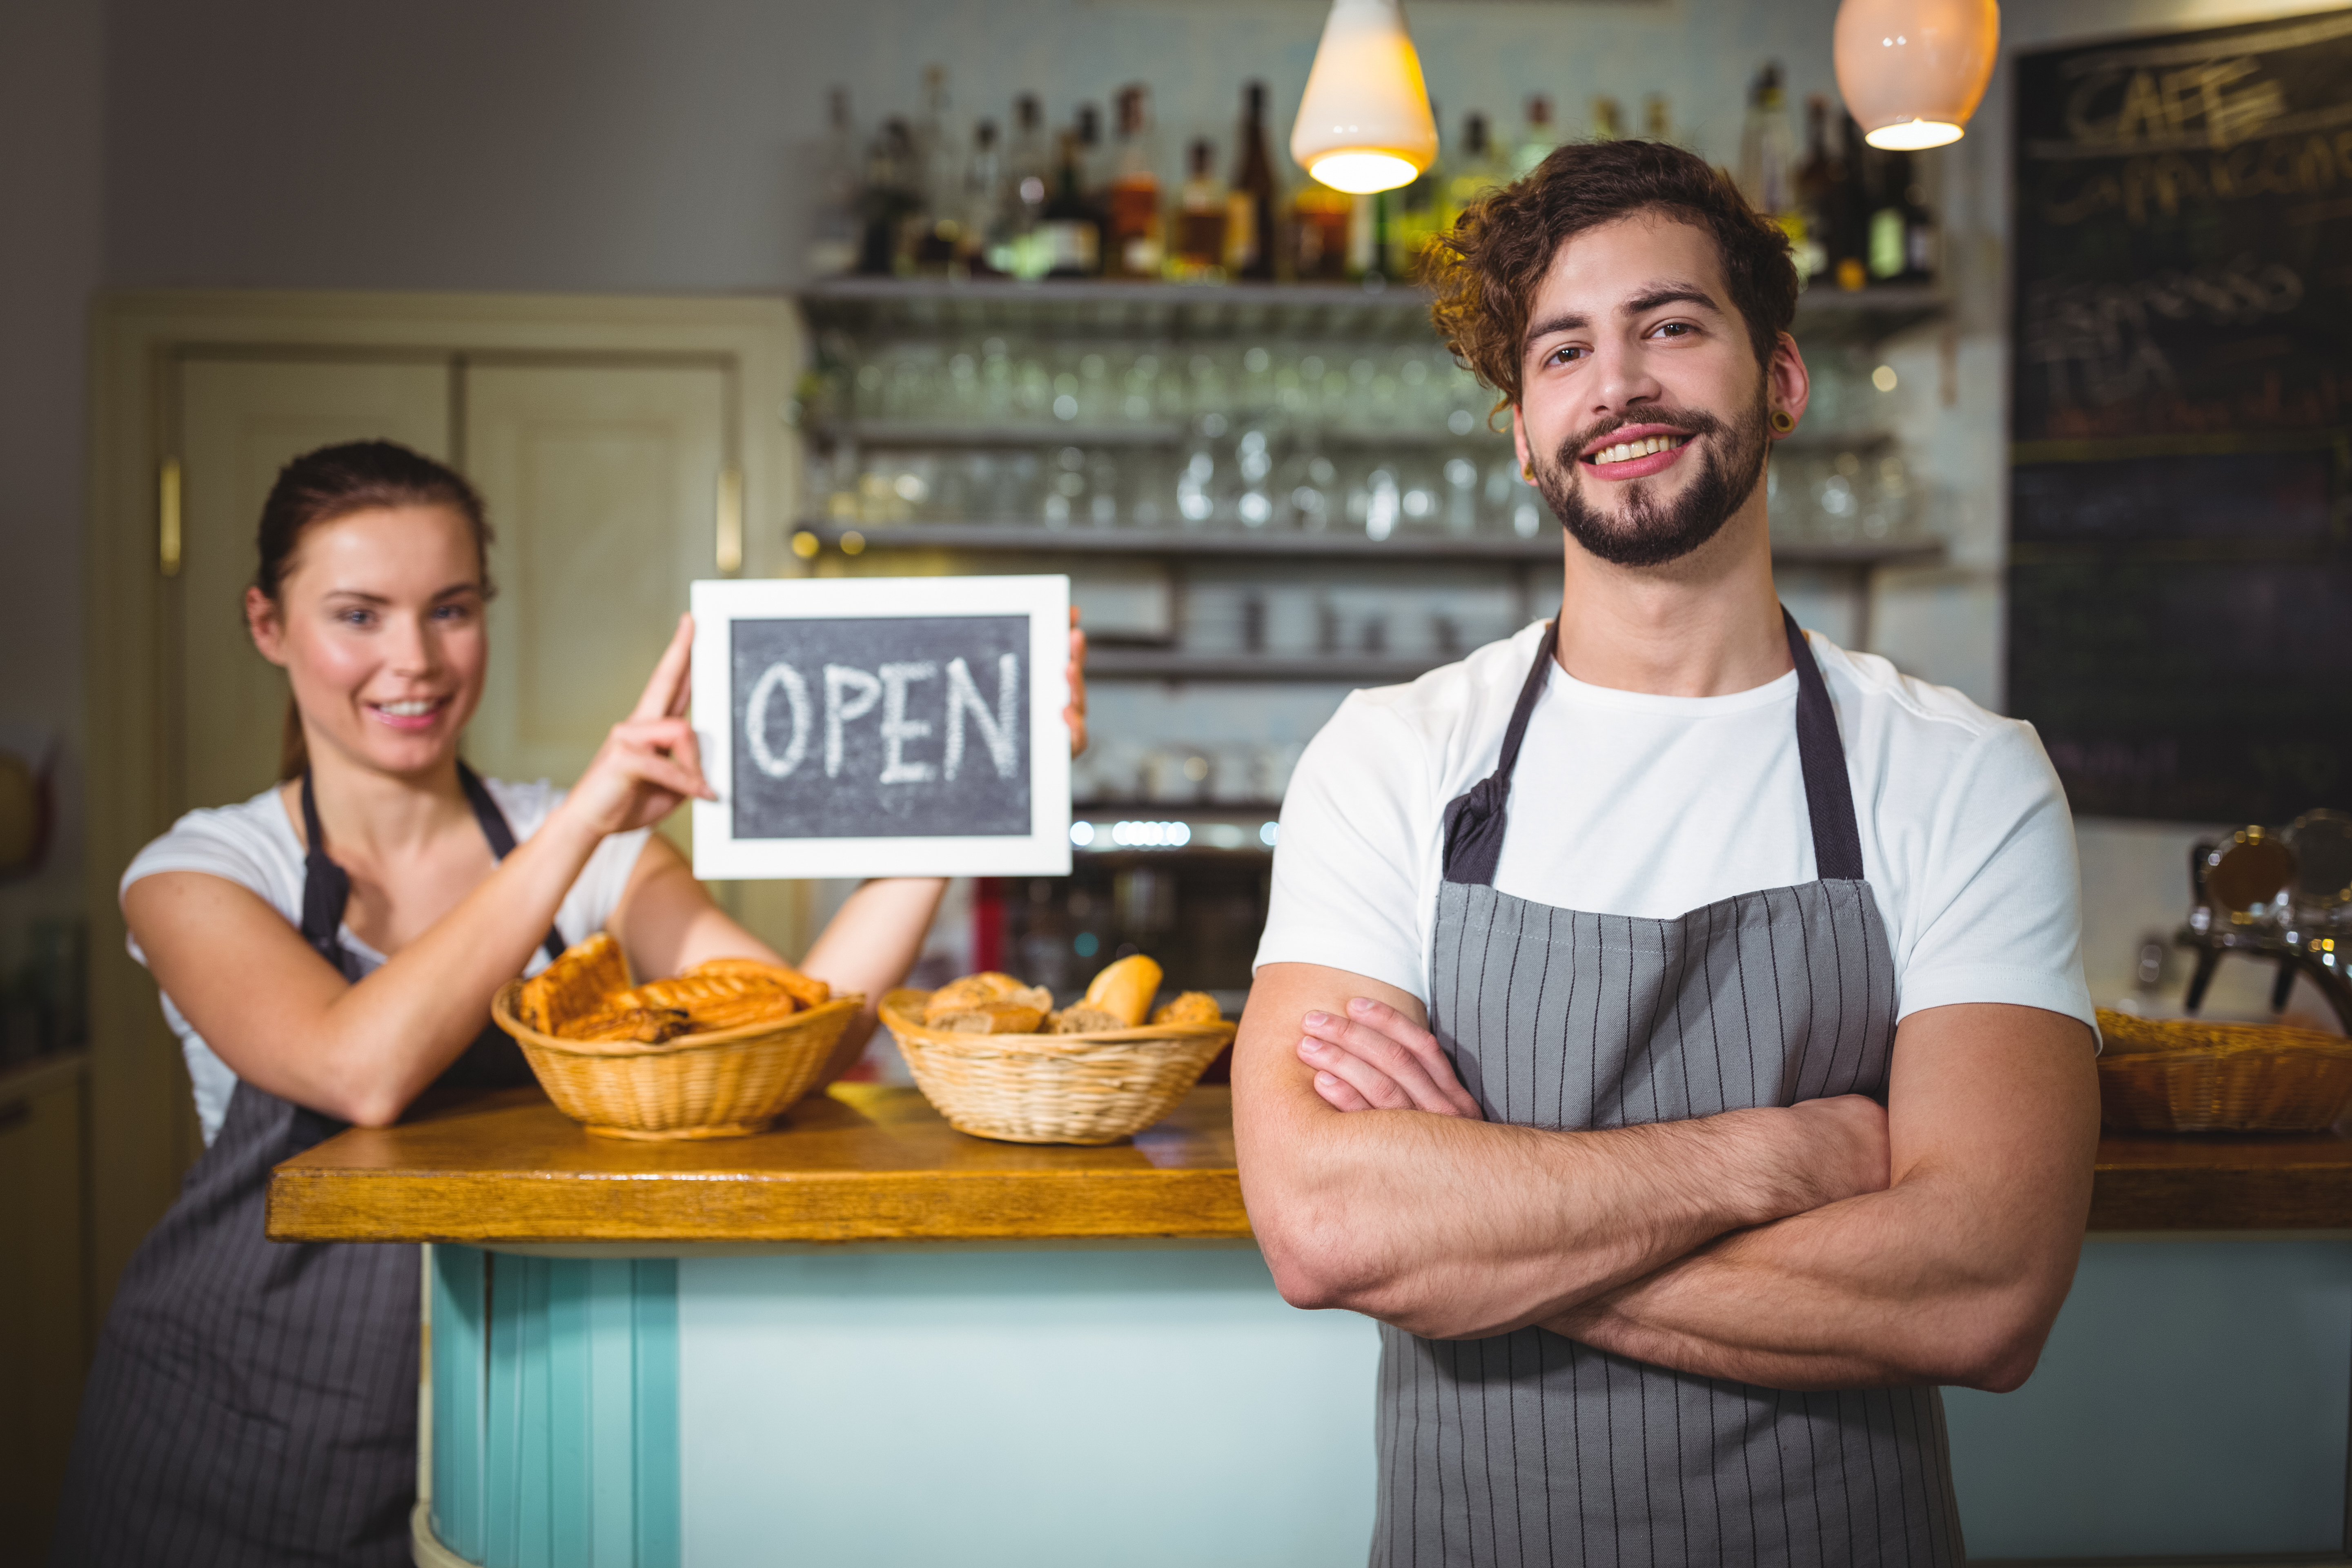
point(987, 538)
point(1087, 308)
point(1353, 669)
point(892, 434)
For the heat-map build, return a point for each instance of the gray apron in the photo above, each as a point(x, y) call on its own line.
point(252, 1404)
point(1531, 1449)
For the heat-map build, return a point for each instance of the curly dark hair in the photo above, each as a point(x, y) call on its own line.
point(1485, 270)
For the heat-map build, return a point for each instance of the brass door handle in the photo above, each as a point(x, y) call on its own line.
point(167, 517)
point(729, 522)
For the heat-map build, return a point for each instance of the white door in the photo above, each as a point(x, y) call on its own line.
point(241, 420)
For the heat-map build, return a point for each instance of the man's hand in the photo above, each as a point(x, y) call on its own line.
point(1376, 1058)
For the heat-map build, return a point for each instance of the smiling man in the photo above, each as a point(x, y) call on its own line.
point(1669, 1025)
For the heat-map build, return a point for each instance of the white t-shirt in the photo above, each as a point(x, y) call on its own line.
point(253, 845)
point(1629, 804)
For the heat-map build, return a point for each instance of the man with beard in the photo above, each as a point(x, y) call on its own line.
point(1669, 1025)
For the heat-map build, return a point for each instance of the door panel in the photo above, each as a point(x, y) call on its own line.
point(602, 482)
point(241, 422)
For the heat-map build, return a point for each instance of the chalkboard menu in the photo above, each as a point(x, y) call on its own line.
point(2180, 581)
point(872, 727)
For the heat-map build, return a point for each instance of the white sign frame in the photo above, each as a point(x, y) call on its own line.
point(1044, 851)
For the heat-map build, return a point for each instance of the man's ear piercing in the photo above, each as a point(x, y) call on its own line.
point(1528, 473)
point(1781, 423)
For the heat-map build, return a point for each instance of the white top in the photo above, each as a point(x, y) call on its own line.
point(1629, 804)
point(255, 845)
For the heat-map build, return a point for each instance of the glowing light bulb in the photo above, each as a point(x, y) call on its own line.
point(1364, 122)
point(1912, 71)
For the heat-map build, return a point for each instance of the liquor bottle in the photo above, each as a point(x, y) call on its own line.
point(1093, 171)
point(1608, 119)
point(1766, 155)
point(1069, 235)
point(1657, 124)
point(1475, 172)
point(937, 241)
point(833, 241)
point(1136, 236)
point(1821, 195)
point(1417, 217)
point(986, 215)
point(1204, 213)
point(1902, 239)
point(1028, 178)
point(1851, 232)
point(886, 200)
point(1320, 220)
point(1249, 225)
point(1536, 141)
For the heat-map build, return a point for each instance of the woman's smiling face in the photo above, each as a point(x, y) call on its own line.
point(379, 627)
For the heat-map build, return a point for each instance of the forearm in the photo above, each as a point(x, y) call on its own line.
point(1457, 1229)
point(1909, 1286)
point(869, 946)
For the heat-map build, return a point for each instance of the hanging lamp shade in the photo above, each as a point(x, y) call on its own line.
point(1912, 71)
point(1364, 124)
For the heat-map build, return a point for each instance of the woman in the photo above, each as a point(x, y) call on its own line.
point(326, 952)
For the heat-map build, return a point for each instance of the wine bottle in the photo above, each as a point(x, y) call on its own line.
point(1249, 225)
point(1069, 235)
point(1820, 199)
point(833, 241)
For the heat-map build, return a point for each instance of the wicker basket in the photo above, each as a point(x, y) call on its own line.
point(723, 1084)
point(1052, 1089)
point(2182, 1075)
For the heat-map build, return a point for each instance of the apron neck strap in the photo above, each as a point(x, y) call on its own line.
point(1476, 819)
point(1829, 793)
point(327, 887)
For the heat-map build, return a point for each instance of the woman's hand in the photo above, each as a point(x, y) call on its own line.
point(1376, 1058)
point(1075, 715)
point(650, 761)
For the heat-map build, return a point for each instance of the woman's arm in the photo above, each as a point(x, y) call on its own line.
point(284, 1020)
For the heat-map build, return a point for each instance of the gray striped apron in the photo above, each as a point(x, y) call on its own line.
point(252, 1404)
point(1530, 1449)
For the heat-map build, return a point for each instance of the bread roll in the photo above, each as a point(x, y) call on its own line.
point(1125, 990)
point(1192, 1007)
point(1080, 1020)
point(993, 1018)
point(978, 990)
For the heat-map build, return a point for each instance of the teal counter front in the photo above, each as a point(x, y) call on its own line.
point(866, 1339)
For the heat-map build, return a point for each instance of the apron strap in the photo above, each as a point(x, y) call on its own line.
point(501, 837)
point(1476, 819)
point(1829, 793)
point(327, 887)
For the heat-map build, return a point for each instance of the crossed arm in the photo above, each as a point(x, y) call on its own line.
point(1830, 1243)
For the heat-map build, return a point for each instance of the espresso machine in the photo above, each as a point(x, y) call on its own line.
point(2280, 896)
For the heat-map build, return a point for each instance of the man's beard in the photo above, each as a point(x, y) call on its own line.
point(1646, 533)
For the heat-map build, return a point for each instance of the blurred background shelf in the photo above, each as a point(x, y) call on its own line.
point(1031, 538)
point(1079, 308)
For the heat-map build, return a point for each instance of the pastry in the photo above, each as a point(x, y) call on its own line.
point(577, 983)
point(977, 991)
point(1080, 1020)
point(999, 1016)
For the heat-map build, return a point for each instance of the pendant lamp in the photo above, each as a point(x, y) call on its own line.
point(1364, 124)
point(1912, 71)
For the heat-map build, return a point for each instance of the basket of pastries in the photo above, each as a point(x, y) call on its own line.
point(719, 1051)
point(2184, 1075)
point(999, 1060)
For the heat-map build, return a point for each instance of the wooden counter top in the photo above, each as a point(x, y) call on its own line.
point(868, 1163)
point(859, 1163)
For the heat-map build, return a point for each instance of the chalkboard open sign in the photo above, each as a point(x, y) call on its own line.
point(883, 726)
